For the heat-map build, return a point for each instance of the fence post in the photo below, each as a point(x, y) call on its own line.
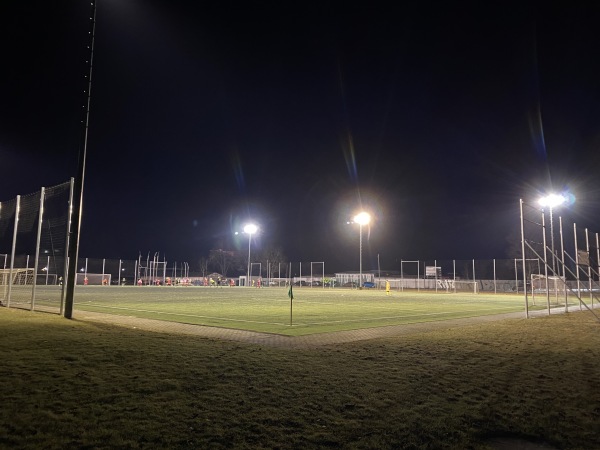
point(474, 280)
point(37, 245)
point(401, 276)
point(454, 271)
point(523, 256)
point(577, 265)
point(589, 270)
point(12, 254)
point(67, 256)
point(436, 277)
point(564, 272)
point(495, 288)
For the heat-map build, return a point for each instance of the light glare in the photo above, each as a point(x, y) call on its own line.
point(250, 228)
point(362, 218)
point(552, 200)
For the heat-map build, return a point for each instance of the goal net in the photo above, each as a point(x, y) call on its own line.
point(20, 277)
point(470, 287)
point(93, 279)
point(555, 286)
point(541, 284)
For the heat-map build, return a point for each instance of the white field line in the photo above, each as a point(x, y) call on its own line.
point(225, 319)
point(369, 319)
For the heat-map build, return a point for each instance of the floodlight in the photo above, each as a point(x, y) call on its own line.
point(552, 200)
point(250, 228)
point(362, 218)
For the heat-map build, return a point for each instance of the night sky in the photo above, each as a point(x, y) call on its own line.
point(434, 116)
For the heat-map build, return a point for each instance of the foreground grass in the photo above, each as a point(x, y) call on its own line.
point(71, 384)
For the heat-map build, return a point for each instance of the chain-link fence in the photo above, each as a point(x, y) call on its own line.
point(569, 256)
point(34, 241)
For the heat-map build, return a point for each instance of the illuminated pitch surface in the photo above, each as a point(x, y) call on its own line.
point(315, 310)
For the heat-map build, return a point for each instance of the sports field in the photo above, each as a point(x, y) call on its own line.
point(314, 310)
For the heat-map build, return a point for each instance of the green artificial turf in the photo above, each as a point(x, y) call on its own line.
point(313, 310)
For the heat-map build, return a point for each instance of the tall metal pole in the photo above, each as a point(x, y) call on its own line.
point(495, 288)
point(12, 252)
point(78, 188)
point(378, 271)
point(65, 274)
point(589, 267)
point(516, 277)
point(402, 275)
point(577, 264)
point(360, 257)
point(523, 256)
point(545, 261)
point(552, 241)
point(474, 280)
point(598, 255)
point(562, 259)
point(37, 246)
point(454, 274)
point(249, 243)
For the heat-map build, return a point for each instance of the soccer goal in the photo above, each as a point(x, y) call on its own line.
point(541, 284)
point(460, 286)
point(20, 277)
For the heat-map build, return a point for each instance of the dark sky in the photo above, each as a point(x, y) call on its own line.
point(435, 116)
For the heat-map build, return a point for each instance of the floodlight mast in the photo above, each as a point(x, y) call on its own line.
point(551, 201)
point(362, 218)
point(77, 198)
point(250, 229)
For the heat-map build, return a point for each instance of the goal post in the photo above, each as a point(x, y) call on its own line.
point(16, 277)
point(320, 276)
point(13, 280)
point(552, 285)
point(459, 286)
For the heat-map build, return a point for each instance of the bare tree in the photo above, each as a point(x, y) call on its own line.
point(221, 260)
point(276, 258)
point(203, 266)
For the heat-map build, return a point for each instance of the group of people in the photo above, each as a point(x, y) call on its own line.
point(206, 281)
point(216, 282)
point(168, 281)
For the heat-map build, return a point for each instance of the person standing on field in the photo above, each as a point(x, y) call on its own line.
point(387, 287)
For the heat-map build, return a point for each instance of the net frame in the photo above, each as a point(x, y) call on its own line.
point(20, 276)
point(458, 286)
point(553, 285)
